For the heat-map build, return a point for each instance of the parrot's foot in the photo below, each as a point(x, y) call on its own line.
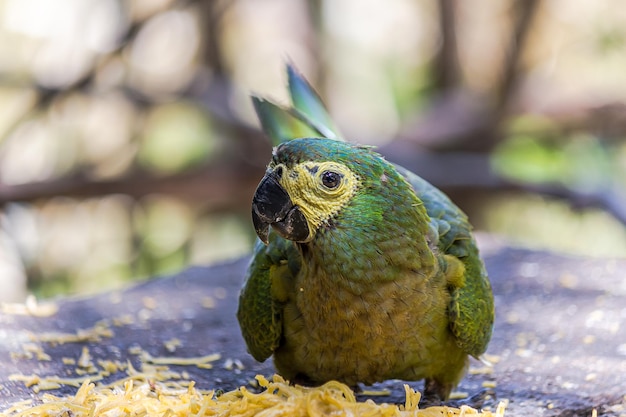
point(303, 380)
point(477, 400)
point(435, 392)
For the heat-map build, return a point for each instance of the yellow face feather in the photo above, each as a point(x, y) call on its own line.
point(319, 189)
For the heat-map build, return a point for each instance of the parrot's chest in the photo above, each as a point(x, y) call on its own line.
point(395, 329)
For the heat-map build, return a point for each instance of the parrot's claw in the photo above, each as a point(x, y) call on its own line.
point(478, 400)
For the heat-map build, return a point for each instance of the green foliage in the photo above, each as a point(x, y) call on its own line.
point(528, 159)
point(578, 160)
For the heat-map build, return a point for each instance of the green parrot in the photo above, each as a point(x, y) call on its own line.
point(363, 271)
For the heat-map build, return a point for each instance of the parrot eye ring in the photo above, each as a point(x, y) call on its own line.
point(331, 179)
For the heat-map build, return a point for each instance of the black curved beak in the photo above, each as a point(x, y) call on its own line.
point(272, 206)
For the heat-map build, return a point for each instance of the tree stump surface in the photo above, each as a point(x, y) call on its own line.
point(559, 337)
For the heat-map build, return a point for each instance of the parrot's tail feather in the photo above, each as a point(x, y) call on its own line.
point(307, 117)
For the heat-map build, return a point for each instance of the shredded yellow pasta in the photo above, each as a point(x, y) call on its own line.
point(137, 395)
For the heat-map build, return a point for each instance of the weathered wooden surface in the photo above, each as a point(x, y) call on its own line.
point(560, 332)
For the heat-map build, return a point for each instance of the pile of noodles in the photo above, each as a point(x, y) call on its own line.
point(142, 397)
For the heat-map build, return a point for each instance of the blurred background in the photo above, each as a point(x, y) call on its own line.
point(129, 147)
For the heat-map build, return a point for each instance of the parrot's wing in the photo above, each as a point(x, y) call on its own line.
point(262, 297)
point(471, 310)
point(307, 116)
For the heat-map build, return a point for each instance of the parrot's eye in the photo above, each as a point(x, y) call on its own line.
point(330, 179)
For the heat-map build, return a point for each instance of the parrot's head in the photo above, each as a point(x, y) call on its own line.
point(308, 183)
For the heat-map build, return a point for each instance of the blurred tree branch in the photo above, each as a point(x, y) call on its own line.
point(229, 184)
point(211, 14)
point(219, 186)
point(511, 70)
point(459, 120)
point(446, 64)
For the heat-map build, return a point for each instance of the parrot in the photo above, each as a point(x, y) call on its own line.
point(362, 271)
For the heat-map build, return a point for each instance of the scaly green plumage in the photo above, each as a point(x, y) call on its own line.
point(369, 272)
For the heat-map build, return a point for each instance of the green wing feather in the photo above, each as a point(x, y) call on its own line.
point(471, 310)
point(307, 116)
point(261, 299)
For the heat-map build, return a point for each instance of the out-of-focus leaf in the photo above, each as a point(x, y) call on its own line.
point(176, 136)
point(579, 161)
point(527, 159)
